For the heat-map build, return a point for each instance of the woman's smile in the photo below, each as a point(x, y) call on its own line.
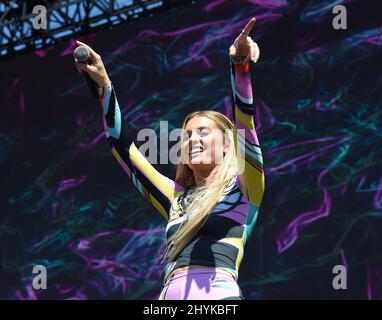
point(195, 152)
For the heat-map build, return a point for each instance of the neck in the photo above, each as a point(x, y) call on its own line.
point(201, 177)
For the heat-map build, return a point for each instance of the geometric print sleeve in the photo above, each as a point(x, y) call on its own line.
point(157, 188)
point(251, 177)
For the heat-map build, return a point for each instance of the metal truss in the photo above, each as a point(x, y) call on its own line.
point(66, 19)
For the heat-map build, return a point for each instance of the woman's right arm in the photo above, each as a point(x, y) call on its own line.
point(157, 188)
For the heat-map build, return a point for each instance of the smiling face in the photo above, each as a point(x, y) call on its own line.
point(203, 144)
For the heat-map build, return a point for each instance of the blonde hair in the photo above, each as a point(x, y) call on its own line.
point(207, 196)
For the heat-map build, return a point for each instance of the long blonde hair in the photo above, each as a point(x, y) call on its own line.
point(206, 197)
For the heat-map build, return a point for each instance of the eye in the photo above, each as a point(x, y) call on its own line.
point(204, 132)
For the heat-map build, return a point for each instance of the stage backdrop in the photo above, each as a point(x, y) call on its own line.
point(65, 202)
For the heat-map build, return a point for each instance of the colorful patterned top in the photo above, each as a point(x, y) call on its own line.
point(221, 240)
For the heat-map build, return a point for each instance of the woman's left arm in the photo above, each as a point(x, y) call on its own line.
point(243, 54)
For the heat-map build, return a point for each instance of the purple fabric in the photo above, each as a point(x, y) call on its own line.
point(200, 284)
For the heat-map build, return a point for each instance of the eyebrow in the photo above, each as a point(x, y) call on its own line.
point(198, 128)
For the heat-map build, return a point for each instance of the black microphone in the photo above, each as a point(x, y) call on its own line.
point(82, 54)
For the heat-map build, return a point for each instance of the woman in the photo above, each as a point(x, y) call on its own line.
point(211, 206)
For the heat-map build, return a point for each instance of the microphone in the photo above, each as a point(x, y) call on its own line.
point(82, 54)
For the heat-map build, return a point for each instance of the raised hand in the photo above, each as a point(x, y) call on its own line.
point(95, 69)
point(244, 49)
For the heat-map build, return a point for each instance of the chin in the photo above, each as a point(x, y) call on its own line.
point(200, 166)
point(198, 162)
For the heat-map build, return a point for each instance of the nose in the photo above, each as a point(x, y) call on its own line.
point(195, 140)
point(195, 136)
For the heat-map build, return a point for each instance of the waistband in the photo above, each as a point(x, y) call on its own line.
point(188, 270)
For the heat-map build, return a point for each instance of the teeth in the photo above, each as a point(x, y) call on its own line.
point(196, 151)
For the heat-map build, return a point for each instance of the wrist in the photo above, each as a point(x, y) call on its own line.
point(242, 68)
point(102, 87)
point(104, 82)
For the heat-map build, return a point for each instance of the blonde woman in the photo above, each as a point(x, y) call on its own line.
point(211, 206)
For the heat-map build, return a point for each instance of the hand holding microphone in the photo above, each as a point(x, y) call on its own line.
point(91, 65)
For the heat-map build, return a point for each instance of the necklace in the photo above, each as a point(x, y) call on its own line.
point(186, 199)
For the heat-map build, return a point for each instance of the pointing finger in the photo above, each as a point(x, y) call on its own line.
point(247, 29)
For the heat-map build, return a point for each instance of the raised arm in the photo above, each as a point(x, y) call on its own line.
point(157, 188)
point(243, 56)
